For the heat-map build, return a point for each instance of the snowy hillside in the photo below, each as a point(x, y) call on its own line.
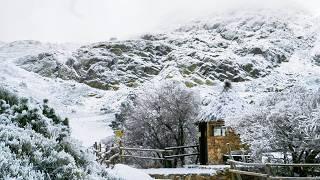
point(36, 144)
point(259, 52)
point(77, 101)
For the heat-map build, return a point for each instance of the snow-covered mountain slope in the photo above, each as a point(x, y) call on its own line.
point(238, 47)
point(260, 52)
point(74, 100)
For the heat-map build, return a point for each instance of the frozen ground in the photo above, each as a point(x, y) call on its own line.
point(209, 170)
point(79, 102)
point(129, 173)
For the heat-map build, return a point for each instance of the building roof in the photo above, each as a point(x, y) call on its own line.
point(226, 105)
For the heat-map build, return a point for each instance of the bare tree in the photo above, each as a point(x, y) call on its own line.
point(162, 115)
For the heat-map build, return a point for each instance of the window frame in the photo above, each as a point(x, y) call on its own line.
point(215, 131)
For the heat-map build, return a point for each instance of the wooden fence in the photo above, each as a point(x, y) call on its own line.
point(269, 170)
point(167, 155)
point(106, 155)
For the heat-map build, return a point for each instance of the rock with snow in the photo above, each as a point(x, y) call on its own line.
point(235, 47)
point(46, 64)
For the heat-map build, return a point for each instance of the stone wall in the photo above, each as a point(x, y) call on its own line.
point(193, 177)
point(217, 145)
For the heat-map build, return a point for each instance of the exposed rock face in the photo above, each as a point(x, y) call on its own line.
point(235, 47)
point(46, 64)
point(316, 59)
point(109, 64)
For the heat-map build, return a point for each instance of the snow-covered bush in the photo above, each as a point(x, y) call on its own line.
point(8, 97)
point(286, 122)
point(35, 143)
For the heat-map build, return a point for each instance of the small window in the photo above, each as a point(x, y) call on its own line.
point(218, 131)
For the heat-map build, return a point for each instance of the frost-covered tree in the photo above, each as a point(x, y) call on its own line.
point(162, 115)
point(35, 143)
point(125, 107)
point(287, 122)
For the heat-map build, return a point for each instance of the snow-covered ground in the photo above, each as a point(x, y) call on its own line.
point(129, 173)
point(79, 102)
point(208, 170)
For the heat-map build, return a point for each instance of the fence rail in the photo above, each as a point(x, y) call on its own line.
point(143, 157)
point(181, 155)
point(181, 147)
point(236, 173)
point(108, 156)
point(141, 149)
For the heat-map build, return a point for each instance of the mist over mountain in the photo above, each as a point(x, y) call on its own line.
point(85, 21)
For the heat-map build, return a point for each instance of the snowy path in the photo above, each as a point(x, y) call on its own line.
point(88, 123)
point(89, 128)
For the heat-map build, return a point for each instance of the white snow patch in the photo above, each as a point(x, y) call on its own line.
point(209, 170)
point(129, 173)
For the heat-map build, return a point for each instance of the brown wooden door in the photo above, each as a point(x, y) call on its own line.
point(203, 143)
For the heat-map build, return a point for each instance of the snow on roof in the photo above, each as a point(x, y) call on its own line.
point(225, 105)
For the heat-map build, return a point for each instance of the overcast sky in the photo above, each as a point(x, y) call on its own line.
point(98, 20)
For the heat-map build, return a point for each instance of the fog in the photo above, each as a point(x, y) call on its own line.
point(99, 20)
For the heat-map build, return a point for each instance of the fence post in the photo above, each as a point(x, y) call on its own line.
point(120, 151)
point(242, 155)
point(229, 150)
point(232, 174)
point(167, 161)
point(164, 154)
point(268, 171)
point(95, 146)
point(198, 156)
point(233, 165)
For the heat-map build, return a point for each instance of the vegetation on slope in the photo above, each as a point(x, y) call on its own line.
point(35, 143)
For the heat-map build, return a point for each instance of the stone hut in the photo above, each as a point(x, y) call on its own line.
point(214, 134)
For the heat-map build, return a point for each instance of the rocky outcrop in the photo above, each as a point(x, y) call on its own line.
point(46, 64)
point(112, 63)
point(228, 47)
